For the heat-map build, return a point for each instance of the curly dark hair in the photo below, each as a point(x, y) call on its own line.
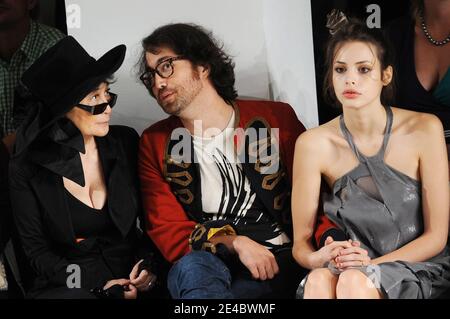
point(355, 30)
point(198, 46)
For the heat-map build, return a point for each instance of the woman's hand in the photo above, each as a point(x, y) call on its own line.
point(144, 280)
point(329, 252)
point(354, 256)
point(130, 291)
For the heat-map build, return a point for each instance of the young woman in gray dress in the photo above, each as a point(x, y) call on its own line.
point(386, 169)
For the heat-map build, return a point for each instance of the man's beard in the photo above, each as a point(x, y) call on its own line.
point(184, 96)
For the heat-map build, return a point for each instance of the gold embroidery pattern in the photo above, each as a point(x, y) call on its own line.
point(272, 180)
point(278, 201)
point(197, 233)
point(267, 161)
point(185, 196)
point(183, 165)
point(176, 178)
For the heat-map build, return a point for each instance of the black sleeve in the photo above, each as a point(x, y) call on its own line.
point(129, 141)
point(145, 248)
point(28, 219)
point(5, 208)
point(22, 105)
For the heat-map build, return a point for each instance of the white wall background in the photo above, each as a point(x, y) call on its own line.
point(290, 56)
point(271, 42)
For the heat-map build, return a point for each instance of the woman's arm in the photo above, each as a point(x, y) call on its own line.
point(309, 150)
point(435, 194)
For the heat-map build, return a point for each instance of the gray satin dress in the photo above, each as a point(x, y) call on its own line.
point(382, 208)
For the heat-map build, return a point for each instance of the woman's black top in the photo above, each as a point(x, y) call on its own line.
point(89, 222)
point(410, 92)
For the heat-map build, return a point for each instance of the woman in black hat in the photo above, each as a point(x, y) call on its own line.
point(74, 182)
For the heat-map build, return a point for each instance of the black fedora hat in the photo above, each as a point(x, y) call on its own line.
point(58, 80)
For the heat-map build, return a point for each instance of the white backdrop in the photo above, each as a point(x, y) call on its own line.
point(271, 42)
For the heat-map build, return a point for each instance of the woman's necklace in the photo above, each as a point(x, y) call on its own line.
point(428, 35)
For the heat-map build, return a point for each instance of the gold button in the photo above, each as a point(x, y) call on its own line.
point(169, 161)
point(168, 179)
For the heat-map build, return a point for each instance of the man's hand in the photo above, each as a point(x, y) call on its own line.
point(142, 281)
point(257, 258)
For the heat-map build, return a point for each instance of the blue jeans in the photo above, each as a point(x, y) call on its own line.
point(202, 275)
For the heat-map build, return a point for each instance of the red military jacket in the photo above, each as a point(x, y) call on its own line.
point(171, 191)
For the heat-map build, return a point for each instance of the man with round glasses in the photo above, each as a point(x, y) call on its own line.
point(164, 69)
point(215, 175)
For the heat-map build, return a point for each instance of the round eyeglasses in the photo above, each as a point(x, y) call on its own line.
point(99, 108)
point(164, 69)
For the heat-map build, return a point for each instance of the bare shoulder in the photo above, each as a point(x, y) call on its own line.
point(421, 126)
point(319, 140)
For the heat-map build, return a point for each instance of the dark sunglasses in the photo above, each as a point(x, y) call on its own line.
point(99, 108)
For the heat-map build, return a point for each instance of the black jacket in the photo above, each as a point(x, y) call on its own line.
point(43, 219)
point(5, 209)
point(13, 256)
